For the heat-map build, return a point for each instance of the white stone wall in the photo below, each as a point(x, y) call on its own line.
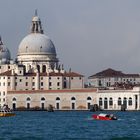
point(76, 82)
point(115, 94)
point(56, 82)
point(80, 102)
point(65, 102)
point(3, 90)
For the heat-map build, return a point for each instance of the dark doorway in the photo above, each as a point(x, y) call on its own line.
point(14, 106)
point(105, 103)
point(28, 105)
point(57, 106)
point(42, 106)
point(73, 105)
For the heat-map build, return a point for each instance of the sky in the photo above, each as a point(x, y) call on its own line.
point(89, 35)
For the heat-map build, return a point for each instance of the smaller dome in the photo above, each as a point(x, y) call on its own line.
point(4, 53)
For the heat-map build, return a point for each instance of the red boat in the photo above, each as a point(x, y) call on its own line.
point(103, 116)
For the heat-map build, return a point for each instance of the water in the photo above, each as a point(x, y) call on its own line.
point(72, 125)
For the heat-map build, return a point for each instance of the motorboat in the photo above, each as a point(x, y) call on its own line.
point(103, 116)
point(5, 111)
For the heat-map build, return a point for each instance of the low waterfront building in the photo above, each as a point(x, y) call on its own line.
point(114, 99)
point(76, 99)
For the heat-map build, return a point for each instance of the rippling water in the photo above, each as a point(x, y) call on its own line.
point(72, 125)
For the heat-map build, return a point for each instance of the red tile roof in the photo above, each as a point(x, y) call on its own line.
point(112, 73)
point(7, 73)
point(66, 74)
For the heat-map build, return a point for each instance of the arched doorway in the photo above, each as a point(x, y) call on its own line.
point(100, 102)
point(28, 100)
point(42, 103)
point(14, 103)
point(125, 102)
point(57, 103)
point(105, 103)
point(130, 101)
point(110, 101)
point(73, 100)
point(119, 101)
point(14, 106)
point(88, 102)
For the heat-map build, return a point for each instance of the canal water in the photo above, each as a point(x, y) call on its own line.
point(69, 125)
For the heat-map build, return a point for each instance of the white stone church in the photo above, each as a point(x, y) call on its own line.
point(36, 79)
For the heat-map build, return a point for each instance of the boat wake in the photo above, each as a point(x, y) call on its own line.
point(89, 119)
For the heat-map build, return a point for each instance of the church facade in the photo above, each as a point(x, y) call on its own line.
point(36, 66)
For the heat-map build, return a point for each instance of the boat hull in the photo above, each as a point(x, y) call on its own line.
point(7, 114)
point(103, 118)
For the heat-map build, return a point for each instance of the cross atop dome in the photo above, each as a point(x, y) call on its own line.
point(36, 26)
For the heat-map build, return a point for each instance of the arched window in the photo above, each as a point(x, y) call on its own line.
point(119, 101)
point(73, 98)
point(130, 101)
point(28, 99)
point(88, 98)
point(42, 99)
point(57, 99)
point(110, 101)
point(44, 69)
point(100, 102)
point(14, 99)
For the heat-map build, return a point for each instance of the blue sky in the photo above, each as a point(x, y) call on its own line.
point(89, 35)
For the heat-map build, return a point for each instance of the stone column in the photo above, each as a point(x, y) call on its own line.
point(37, 81)
point(12, 81)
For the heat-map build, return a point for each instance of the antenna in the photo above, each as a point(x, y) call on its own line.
point(35, 12)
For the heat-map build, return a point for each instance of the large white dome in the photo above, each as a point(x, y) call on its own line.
point(37, 49)
point(36, 43)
